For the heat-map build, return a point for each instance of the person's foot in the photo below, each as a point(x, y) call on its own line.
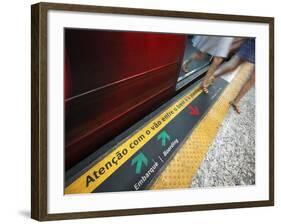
point(235, 106)
point(207, 82)
point(185, 64)
point(204, 86)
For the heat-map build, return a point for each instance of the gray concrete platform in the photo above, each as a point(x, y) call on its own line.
point(230, 160)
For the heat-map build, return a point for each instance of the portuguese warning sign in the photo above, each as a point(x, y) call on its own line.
point(137, 161)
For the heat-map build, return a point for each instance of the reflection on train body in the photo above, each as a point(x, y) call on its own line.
point(113, 79)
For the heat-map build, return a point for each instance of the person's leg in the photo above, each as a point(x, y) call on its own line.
point(236, 44)
point(197, 55)
point(229, 66)
point(213, 67)
point(245, 88)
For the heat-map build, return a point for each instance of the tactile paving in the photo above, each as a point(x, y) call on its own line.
point(181, 169)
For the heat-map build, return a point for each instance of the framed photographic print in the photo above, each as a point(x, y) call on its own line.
point(138, 111)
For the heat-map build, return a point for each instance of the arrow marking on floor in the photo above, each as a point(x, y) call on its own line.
point(139, 160)
point(193, 110)
point(164, 136)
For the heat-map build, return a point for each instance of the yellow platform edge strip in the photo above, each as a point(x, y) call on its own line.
point(182, 168)
point(103, 169)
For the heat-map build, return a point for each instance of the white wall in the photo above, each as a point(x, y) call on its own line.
point(15, 111)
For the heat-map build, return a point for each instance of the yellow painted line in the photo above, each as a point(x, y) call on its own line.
point(103, 169)
point(182, 168)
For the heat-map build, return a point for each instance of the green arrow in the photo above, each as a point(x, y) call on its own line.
point(139, 159)
point(164, 136)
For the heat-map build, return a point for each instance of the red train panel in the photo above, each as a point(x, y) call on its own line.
point(113, 79)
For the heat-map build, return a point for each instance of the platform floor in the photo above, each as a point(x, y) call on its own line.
point(194, 140)
point(184, 166)
point(230, 160)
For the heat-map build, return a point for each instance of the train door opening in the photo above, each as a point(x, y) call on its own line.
point(192, 69)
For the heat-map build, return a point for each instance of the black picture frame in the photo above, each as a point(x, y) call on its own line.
point(39, 105)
